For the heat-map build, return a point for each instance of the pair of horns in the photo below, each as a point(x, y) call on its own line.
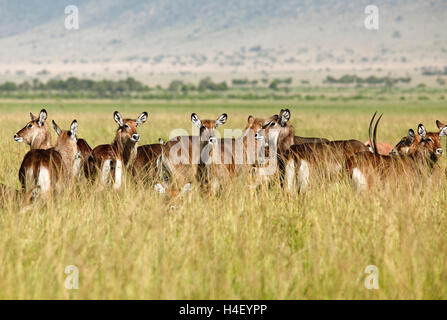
point(373, 140)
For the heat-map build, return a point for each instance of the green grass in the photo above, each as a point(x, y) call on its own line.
point(241, 244)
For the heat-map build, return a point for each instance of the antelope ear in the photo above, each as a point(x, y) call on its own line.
point(56, 128)
point(195, 120)
point(411, 135)
point(443, 132)
point(221, 120)
point(160, 141)
point(285, 116)
point(33, 117)
point(440, 125)
point(421, 130)
point(118, 118)
point(250, 120)
point(74, 127)
point(142, 118)
point(42, 117)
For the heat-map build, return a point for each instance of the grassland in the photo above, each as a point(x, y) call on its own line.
point(242, 244)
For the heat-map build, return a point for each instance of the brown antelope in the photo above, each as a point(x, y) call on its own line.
point(412, 155)
point(230, 157)
point(45, 170)
point(284, 138)
point(110, 158)
point(329, 157)
point(181, 155)
point(226, 158)
point(145, 164)
point(36, 134)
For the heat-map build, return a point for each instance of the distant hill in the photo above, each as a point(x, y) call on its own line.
point(224, 35)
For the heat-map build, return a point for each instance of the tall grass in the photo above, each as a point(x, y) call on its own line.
point(239, 244)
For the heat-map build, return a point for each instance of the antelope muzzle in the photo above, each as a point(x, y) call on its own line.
point(18, 138)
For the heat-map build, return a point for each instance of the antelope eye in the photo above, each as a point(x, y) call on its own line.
point(29, 125)
point(126, 126)
point(430, 139)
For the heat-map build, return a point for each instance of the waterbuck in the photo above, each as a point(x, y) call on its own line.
point(46, 170)
point(121, 153)
point(413, 155)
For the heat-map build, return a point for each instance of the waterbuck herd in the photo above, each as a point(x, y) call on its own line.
point(268, 149)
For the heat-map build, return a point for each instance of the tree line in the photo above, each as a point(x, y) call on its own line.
point(370, 80)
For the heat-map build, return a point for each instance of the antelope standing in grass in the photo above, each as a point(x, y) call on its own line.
point(181, 155)
point(46, 170)
point(413, 155)
point(36, 134)
point(328, 157)
point(223, 159)
point(145, 164)
point(284, 139)
point(113, 158)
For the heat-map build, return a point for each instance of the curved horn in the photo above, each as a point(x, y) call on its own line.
point(375, 134)
point(370, 131)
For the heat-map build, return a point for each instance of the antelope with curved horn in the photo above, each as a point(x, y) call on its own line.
point(46, 170)
point(113, 158)
point(411, 156)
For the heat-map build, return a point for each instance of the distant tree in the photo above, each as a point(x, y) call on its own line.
point(175, 85)
point(208, 84)
point(8, 86)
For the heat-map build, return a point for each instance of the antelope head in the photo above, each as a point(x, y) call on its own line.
point(407, 144)
point(208, 127)
point(430, 144)
point(426, 143)
point(36, 132)
point(127, 128)
point(67, 146)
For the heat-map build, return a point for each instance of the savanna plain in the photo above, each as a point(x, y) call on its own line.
point(241, 243)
